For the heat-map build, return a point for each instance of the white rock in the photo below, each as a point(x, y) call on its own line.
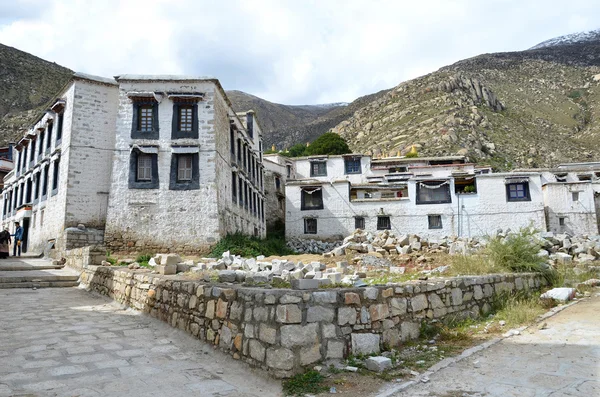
point(559, 294)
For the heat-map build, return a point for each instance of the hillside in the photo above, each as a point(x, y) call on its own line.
point(27, 83)
point(538, 107)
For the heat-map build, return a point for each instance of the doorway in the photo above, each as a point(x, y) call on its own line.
point(25, 235)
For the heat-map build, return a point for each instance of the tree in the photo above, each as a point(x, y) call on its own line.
point(297, 150)
point(328, 143)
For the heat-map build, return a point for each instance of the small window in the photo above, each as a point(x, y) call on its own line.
point(312, 198)
point(518, 191)
point(250, 124)
point(49, 138)
point(560, 177)
point(45, 182)
point(584, 177)
point(289, 170)
point(185, 118)
point(277, 183)
point(359, 222)
point(184, 168)
point(318, 168)
point(41, 145)
point(281, 202)
point(144, 168)
point(561, 221)
point(231, 140)
point(55, 175)
point(383, 223)
point(184, 172)
point(352, 165)
point(145, 118)
point(310, 226)
point(435, 221)
point(233, 187)
point(433, 192)
point(59, 126)
point(240, 191)
point(465, 185)
point(575, 196)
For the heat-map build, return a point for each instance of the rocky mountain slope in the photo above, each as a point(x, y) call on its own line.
point(531, 108)
point(27, 83)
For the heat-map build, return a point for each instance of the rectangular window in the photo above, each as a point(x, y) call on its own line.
point(24, 159)
point(383, 223)
point(435, 221)
point(41, 145)
point(245, 195)
point(185, 118)
point(277, 183)
point(29, 187)
point(288, 169)
point(49, 138)
point(145, 118)
point(233, 187)
point(144, 167)
point(312, 198)
point(45, 182)
point(310, 226)
point(518, 191)
point(575, 196)
point(561, 221)
point(231, 140)
point(184, 167)
point(59, 126)
point(239, 150)
point(36, 192)
point(250, 125)
point(318, 168)
point(55, 175)
point(352, 165)
point(240, 190)
point(359, 222)
point(465, 185)
point(32, 152)
point(433, 192)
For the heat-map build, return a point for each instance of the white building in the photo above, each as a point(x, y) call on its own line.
point(433, 197)
point(278, 170)
point(146, 163)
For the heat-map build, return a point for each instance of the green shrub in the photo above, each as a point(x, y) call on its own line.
point(328, 143)
point(411, 155)
point(517, 252)
point(246, 246)
point(301, 384)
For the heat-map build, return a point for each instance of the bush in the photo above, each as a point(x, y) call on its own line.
point(246, 246)
point(298, 150)
point(301, 384)
point(517, 252)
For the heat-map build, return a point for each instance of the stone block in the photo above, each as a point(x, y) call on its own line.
point(210, 310)
point(379, 312)
point(304, 284)
point(335, 277)
point(257, 350)
point(311, 354)
point(410, 330)
point(285, 299)
point(477, 292)
point(365, 343)
point(335, 349)
point(221, 308)
point(391, 337)
point(166, 270)
point(418, 302)
point(267, 334)
point(378, 364)
point(398, 306)
point(371, 293)
point(346, 315)
point(435, 301)
point(169, 259)
point(325, 297)
point(299, 335)
point(319, 313)
point(280, 358)
point(288, 314)
point(351, 298)
point(227, 276)
point(328, 331)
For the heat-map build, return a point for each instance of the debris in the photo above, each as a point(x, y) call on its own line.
point(351, 369)
point(378, 363)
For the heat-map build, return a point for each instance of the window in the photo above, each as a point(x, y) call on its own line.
point(29, 186)
point(231, 140)
point(55, 174)
point(184, 172)
point(245, 195)
point(145, 119)
point(281, 203)
point(517, 191)
point(277, 183)
point(310, 226)
point(59, 126)
point(45, 183)
point(23, 159)
point(359, 222)
point(435, 221)
point(465, 185)
point(185, 120)
point(41, 145)
point(575, 196)
point(433, 192)
point(143, 168)
point(584, 177)
point(352, 165)
point(561, 221)
point(184, 168)
point(250, 124)
point(561, 177)
point(233, 187)
point(312, 198)
point(239, 151)
point(318, 168)
point(32, 152)
point(36, 191)
point(288, 169)
point(49, 138)
point(383, 223)
point(240, 190)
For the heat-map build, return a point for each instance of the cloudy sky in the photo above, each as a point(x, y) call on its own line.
point(292, 52)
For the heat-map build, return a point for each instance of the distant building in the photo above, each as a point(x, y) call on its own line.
point(332, 196)
point(145, 163)
point(278, 170)
point(6, 163)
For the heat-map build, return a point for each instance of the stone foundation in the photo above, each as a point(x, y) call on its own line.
point(285, 331)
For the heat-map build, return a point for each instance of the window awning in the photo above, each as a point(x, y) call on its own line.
point(185, 149)
point(146, 149)
point(58, 106)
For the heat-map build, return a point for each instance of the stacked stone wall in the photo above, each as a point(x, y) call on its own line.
point(284, 331)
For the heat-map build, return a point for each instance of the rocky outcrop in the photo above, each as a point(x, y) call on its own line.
point(477, 91)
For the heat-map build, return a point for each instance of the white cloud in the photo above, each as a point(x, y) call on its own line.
point(285, 51)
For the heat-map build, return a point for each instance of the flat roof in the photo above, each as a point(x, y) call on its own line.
point(91, 77)
point(162, 77)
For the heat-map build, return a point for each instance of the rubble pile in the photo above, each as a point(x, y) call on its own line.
point(311, 246)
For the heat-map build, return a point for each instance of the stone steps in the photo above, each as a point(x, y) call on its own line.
point(28, 278)
point(40, 284)
point(9, 268)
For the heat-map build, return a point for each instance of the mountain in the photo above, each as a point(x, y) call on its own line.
point(574, 38)
point(533, 108)
point(27, 84)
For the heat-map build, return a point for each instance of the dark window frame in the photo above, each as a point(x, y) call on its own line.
point(192, 184)
point(318, 192)
point(136, 132)
point(359, 222)
point(36, 190)
point(60, 116)
point(50, 129)
point(234, 181)
point(433, 223)
point(526, 192)
point(318, 163)
point(352, 165)
point(44, 191)
point(176, 132)
point(55, 176)
point(446, 187)
point(133, 169)
point(309, 227)
point(384, 223)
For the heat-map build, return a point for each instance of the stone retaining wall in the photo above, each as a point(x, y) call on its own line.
point(283, 331)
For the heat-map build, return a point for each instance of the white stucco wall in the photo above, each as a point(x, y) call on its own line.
point(579, 217)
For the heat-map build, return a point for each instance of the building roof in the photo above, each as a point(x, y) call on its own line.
point(96, 79)
point(162, 77)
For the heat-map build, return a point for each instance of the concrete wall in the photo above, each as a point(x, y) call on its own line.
point(473, 214)
point(286, 331)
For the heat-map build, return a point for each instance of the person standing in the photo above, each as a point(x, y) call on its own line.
point(18, 239)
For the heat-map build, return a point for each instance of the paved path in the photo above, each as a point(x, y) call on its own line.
point(67, 342)
point(559, 361)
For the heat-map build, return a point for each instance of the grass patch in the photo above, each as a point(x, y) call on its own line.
point(143, 260)
point(301, 384)
point(110, 259)
point(521, 310)
point(474, 265)
point(246, 246)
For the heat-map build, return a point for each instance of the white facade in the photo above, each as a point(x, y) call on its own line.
point(431, 197)
point(164, 214)
point(65, 179)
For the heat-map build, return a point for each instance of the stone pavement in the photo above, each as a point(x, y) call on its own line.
point(67, 342)
point(560, 360)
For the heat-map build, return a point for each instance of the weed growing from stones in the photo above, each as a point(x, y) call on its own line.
point(301, 384)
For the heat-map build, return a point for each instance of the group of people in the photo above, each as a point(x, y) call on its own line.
point(5, 240)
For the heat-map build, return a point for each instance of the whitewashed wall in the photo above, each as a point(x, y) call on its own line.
point(579, 216)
